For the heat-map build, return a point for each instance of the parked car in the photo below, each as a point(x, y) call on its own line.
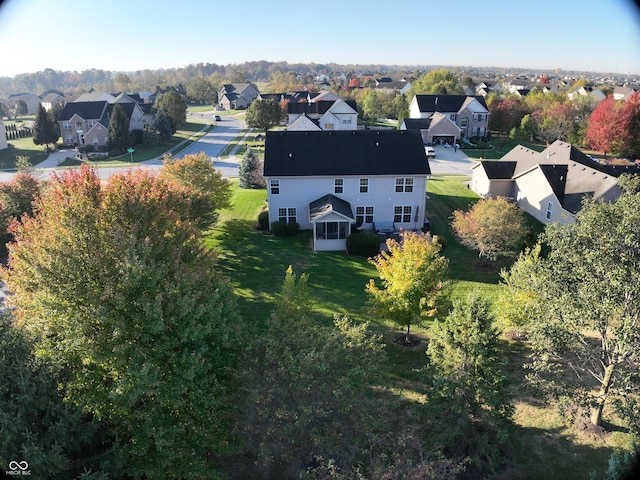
point(431, 152)
point(217, 118)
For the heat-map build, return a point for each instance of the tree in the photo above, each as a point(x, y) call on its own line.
point(162, 125)
point(506, 114)
point(44, 128)
point(16, 200)
point(555, 123)
point(493, 226)
point(606, 126)
point(310, 388)
point(412, 273)
point(263, 114)
point(56, 438)
point(118, 129)
point(586, 319)
point(200, 90)
point(468, 391)
point(436, 82)
point(197, 173)
point(123, 300)
point(174, 106)
point(250, 171)
point(631, 121)
point(20, 108)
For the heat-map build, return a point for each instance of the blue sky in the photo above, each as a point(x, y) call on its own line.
point(127, 35)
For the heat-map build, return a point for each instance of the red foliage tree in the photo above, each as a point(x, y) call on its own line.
point(606, 130)
point(631, 121)
point(506, 114)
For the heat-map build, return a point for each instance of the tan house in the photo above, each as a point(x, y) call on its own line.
point(237, 96)
point(549, 185)
point(322, 115)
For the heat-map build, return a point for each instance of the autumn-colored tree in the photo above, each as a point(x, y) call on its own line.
point(17, 198)
point(122, 299)
point(412, 274)
point(554, 123)
point(493, 226)
point(631, 121)
point(506, 114)
point(606, 127)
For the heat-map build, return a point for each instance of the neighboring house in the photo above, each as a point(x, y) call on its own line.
point(595, 94)
point(622, 92)
point(322, 115)
point(30, 99)
point(549, 185)
point(87, 123)
point(469, 113)
point(436, 129)
point(237, 96)
point(335, 182)
point(96, 97)
point(51, 98)
point(3, 137)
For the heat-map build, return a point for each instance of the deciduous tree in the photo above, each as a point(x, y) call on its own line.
point(587, 316)
point(174, 106)
point(493, 226)
point(412, 274)
point(436, 82)
point(115, 286)
point(263, 114)
point(605, 132)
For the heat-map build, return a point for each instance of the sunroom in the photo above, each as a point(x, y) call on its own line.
point(331, 218)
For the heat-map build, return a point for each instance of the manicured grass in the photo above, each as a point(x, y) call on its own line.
point(20, 147)
point(502, 145)
point(255, 262)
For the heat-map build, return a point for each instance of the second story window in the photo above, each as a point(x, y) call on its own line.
point(338, 185)
point(453, 117)
point(274, 186)
point(364, 185)
point(404, 184)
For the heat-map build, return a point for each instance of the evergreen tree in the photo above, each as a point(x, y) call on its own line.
point(44, 128)
point(118, 129)
point(162, 125)
point(248, 170)
point(174, 106)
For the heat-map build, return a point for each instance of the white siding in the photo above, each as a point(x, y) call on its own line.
point(298, 192)
point(533, 194)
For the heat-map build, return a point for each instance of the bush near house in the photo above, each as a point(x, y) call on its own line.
point(363, 244)
point(284, 229)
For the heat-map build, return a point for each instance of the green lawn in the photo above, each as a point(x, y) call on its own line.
point(255, 263)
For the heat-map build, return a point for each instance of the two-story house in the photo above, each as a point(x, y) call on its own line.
point(87, 123)
point(237, 96)
point(469, 114)
point(332, 182)
point(322, 115)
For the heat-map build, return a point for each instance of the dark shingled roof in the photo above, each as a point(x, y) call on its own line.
point(85, 110)
point(445, 103)
point(499, 170)
point(347, 152)
point(417, 123)
point(327, 204)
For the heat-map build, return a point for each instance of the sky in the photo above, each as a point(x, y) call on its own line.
point(128, 35)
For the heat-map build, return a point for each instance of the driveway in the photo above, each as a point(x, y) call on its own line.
point(448, 161)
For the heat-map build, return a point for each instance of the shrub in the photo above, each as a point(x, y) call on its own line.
point(279, 229)
point(363, 244)
point(263, 220)
point(292, 228)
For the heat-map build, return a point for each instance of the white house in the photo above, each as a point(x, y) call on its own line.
point(3, 137)
point(549, 185)
point(322, 115)
point(332, 182)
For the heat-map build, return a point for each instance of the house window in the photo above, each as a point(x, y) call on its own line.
point(90, 126)
point(364, 215)
point(402, 214)
point(364, 185)
point(549, 210)
point(66, 126)
point(328, 126)
point(332, 230)
point(69, 139)
point(274, 186)
point(338, 185)
point(404, 184)
point(464, 122)
point(453, 117)
point(287, 215)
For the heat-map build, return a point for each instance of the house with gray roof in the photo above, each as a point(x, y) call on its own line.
point(333, 182)
point(469, 113)
point(550, 185)
point(322, 115)
point(237, 96)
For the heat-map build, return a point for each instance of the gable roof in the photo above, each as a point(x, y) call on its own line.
point(498, 169)
point(417, 123)
point(85, 110)
point(319, 107)
point(348, 152)
point(329, 204)
point(446, 103)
